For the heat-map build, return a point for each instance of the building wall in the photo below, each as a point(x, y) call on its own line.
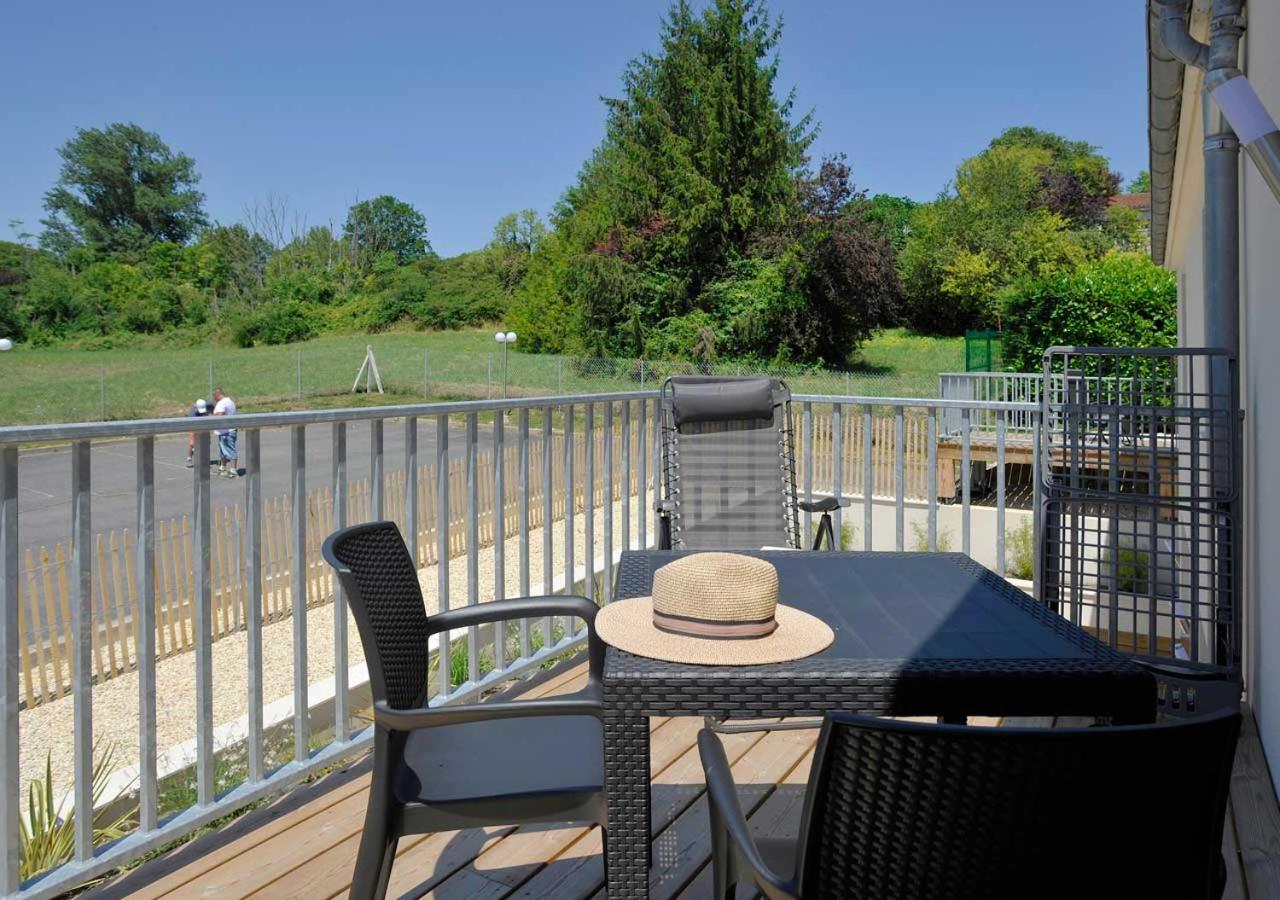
point(1259, 352)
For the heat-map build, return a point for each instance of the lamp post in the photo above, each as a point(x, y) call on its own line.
point(506, 339)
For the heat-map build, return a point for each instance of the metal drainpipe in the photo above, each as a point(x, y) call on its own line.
point(1220, 60)
point(1222, 188)
point(1217, 58)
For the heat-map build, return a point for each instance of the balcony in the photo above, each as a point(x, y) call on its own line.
point(201, 636)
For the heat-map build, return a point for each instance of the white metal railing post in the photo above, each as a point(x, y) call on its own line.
point(145, 640)
point(642, 481)
point(625, 437)
point(10, 804)
point(377, 478)
point(588, 501)
point(900, 479)
point(473, 544)
point(837, 469)
point(966, 477)
point(442, 549)
point(82, 637)
point(253, 612)
point(868, 474)
point(341, 716)
point(203, 625)
point(1001, 426)
point(807, 420)
point(548, 509)
point(499, 524)
point(411, 512)
point(525, 648)
point(931, 478)
point(298, 588)
point(607, 590)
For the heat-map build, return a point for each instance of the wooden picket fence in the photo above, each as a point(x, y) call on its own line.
point(915, 434)
point(45, 610)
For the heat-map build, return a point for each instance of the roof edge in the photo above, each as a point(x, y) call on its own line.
point(1165, 75)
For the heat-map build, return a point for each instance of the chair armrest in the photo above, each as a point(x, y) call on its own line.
point(723, 794)
point(822, 504)
point(515, 608)
point(584, 703)
point(528, 608)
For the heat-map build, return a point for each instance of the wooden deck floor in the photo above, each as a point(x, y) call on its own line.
point(304, 844)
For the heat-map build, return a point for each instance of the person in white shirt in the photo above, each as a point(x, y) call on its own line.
point(225, 406)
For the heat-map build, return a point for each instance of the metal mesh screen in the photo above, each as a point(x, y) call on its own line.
point(731, 484)
point(1139, 540)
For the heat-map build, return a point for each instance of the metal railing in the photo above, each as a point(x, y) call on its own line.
point(841, 452)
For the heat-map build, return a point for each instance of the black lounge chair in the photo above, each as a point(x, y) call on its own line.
point(909, 810)
point(729, 468)
point(451, 767)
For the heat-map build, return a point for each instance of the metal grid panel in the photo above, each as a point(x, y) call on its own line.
point(1139, 478)
point(1158, 424)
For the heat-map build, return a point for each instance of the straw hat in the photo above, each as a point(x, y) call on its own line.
point(715, 609)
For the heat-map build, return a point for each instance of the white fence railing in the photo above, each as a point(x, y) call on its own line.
point(605, 450)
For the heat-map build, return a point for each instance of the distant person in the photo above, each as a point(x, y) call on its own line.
point(199, 409)
point(228, 459)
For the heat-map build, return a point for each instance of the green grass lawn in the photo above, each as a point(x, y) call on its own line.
point(905, 354)
point(60, 385)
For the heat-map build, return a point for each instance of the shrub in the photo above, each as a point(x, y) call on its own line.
point(1121, 300)
point(277, 323)
point(920, 539)
point(304, 286)
point(48, 832)
point(1020, 552)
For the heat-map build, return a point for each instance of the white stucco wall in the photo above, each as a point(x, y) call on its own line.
point(1260, 356)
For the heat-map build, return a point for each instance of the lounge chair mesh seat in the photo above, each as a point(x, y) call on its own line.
point(729, 473)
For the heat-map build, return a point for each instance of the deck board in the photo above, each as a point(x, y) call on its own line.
point(304, 845)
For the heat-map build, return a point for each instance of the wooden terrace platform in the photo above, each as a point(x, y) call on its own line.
point(304, 844)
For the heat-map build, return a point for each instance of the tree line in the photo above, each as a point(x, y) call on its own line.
point(700, 228)
point(127, 249)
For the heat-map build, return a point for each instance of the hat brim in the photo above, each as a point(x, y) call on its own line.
point(628, 625)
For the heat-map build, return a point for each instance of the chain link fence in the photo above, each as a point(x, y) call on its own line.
point(75, 387)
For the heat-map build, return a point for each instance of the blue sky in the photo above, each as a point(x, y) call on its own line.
point(470, 110)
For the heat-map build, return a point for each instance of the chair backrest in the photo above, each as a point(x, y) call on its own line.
point(902, 809)
point(728, 463)
point(382, 589)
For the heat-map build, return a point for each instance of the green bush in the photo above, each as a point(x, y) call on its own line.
point(303, 286)
point(920, 539)
point(1121, 300)
point(1020, 552)
point(277, 323)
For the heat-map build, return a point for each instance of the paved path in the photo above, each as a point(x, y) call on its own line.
point(44, 475)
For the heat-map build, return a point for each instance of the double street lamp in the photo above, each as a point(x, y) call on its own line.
point(506, 339)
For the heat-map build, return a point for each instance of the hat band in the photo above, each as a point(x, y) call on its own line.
point(714, 629)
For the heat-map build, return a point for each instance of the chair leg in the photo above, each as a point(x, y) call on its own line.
point(826, 531)
point(664, 531)
point(604, 847)
point(373, 860)
point(384, 875)
point(724, 885)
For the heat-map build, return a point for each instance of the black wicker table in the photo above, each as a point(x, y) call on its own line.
point(915, 634)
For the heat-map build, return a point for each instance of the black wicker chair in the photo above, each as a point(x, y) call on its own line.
point(729, 468)
point(909, 810)
point(451, 767)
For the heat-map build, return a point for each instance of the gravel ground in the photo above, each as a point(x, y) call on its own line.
point(47, 729)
